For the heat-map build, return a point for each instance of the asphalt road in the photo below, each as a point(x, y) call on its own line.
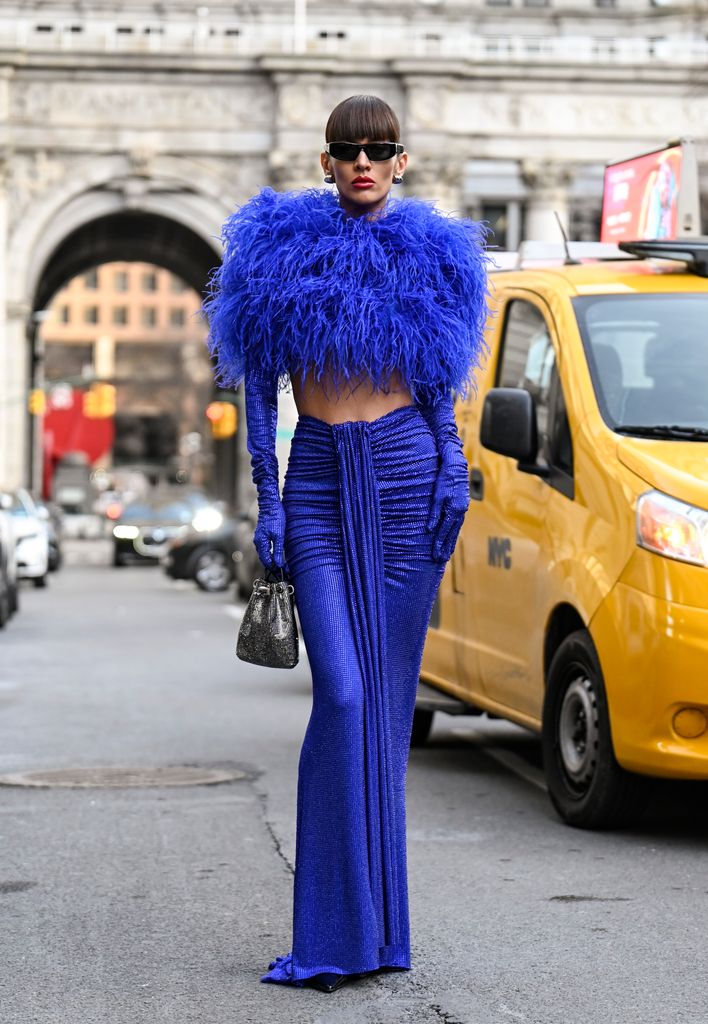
point(133, 906)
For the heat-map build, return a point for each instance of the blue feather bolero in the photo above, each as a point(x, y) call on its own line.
point(304, 285)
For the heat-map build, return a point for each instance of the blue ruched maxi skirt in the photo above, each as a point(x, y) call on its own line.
point(356, 498)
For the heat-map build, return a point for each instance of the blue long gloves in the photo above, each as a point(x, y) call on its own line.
point(261, 395)
point(451, 496)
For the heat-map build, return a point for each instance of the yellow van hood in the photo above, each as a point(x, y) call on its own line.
point(678, 468)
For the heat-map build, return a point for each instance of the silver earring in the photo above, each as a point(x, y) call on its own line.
point(329, 179)
point(398, 179)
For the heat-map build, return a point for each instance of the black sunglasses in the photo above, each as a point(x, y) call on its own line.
point(374, 150)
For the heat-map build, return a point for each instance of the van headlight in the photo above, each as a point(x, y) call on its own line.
point(672, 528)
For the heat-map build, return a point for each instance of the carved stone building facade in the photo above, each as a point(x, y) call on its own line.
point(131, 130)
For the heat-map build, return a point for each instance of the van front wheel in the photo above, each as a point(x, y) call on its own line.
point(586, 785)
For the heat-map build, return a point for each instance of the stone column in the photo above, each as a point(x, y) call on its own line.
point(299, 130)
point(548, 183)
point(14, 417)
point(13, 360)
point(430, 176)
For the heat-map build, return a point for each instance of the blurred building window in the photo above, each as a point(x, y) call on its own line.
point(120, 314)
point(505, 219)
point(605, 3)
point(91, 278)
point(76, 28)
point(65, 314)
point(232, 31)
point(177, 284)
point(91, 314)
point(498, 3)
point(537, 3)
point(124, 29)
point(325, 34)
point(150, 281)
point(177, 317)
point(149, 316)
point(120, 280)
point(154, 30)
point(44, 28)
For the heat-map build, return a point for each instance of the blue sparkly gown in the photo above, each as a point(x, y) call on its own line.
point(356, 496)
point(302, 284)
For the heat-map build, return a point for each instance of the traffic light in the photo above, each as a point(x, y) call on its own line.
point(99, 401)
point(106, 400)
point(37, 402)
point(223, 419)
point(90, 404)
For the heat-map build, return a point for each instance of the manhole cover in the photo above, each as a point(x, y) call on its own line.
point(120, 778)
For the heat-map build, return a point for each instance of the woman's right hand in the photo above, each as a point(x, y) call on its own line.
point(270, 530)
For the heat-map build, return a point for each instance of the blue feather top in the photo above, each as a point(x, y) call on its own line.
point(304, 285)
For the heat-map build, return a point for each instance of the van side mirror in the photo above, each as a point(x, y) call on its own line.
point(509, 427)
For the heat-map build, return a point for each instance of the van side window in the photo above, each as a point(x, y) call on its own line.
point(528, 360)
point(559, 441)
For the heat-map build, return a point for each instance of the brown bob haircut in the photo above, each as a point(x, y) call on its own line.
point(362, 117)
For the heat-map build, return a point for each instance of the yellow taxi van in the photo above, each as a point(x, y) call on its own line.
point(576, 601)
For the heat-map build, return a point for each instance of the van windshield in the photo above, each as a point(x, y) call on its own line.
point(648, 358)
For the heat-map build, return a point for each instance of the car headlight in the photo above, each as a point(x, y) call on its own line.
point(672, 528)
point(125, 532)
point(207, 519)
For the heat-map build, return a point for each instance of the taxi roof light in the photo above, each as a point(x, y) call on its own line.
point(693, 251)
point(535, 254)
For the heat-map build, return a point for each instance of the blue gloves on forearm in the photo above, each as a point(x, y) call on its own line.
point(451, 496)
point(261, 395)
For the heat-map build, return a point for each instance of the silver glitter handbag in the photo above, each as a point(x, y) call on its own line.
point(268, 632)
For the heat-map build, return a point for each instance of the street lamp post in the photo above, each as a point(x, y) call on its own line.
point(36, 381)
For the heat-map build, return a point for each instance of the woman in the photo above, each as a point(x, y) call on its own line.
point(373, 309)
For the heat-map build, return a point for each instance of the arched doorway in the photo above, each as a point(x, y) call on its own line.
point(131, 238)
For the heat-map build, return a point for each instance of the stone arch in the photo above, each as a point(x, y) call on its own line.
point(175, 189)
point(165, 210)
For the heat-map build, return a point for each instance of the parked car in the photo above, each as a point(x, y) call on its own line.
point(9, 598)
point(204, 551)
point(576, 601)
point(247, 564)
point(31, 537)
point(146, 526)
point(54, 520)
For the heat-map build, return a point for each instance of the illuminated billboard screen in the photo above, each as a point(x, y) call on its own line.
point(641, 197)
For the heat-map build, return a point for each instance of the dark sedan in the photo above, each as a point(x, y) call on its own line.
point(147, 525)
point(203, 556)
point(213, 551)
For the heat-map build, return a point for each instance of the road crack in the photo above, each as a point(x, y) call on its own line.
point(444, 1015)
point(262, 799)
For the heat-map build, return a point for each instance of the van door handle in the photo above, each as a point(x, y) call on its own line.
point(476, 485)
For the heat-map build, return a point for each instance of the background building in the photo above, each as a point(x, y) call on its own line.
point(137, 327)
point(131, 130)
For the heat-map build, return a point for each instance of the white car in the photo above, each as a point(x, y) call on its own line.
point(31, 537)
point(8, 562)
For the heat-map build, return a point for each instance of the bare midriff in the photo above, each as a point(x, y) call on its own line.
point(361, 402)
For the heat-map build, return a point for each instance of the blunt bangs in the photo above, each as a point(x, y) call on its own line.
point(362, 117)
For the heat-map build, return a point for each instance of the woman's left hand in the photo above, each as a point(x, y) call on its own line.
point(449, 505)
